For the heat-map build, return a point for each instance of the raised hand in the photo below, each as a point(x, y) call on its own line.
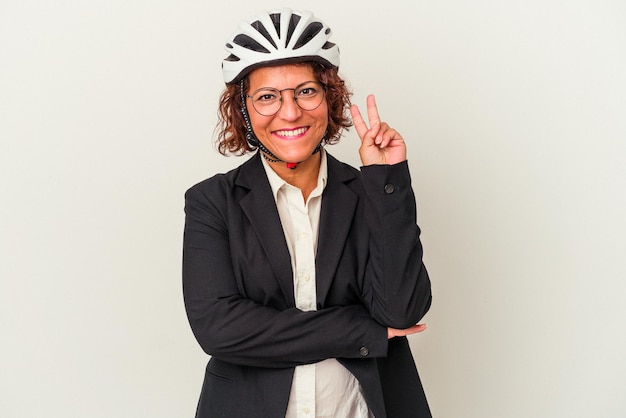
point(380, 144)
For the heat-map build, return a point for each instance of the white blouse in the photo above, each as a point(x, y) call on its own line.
point(325, 389)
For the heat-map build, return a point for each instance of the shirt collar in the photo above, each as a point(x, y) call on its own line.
point(277, 183)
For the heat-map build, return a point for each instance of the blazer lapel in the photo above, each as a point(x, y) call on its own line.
point(338, 207)
point(260, 208)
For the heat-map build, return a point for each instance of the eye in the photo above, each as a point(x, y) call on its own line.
point(308, 91)
point(265, 96)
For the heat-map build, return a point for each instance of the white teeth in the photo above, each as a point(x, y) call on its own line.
point(291, 133)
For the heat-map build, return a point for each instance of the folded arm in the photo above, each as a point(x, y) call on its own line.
point(242, 331)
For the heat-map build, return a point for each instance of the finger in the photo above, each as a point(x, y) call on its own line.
point(420, 327)
point(372, 110)
point(388, 136)
point(373, 133)
point(382, 134)
point(359, 123)
point(415, 329)
point(393, 332)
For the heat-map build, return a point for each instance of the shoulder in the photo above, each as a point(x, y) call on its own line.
point(225, 183)
point(213, 199)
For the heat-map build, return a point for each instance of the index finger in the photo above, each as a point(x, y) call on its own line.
point(359, 123)
point(372, 110)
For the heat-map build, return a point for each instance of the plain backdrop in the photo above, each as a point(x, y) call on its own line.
point(515, 118)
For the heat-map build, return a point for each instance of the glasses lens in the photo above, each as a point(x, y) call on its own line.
point(309, 95)
point(266, 101)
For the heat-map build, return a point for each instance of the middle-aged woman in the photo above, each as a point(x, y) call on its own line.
point(302, 276)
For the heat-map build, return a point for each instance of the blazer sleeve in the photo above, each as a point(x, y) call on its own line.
point(241, 331)
point(396, 287)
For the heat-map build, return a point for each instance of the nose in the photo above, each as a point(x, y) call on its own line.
point(289, 109)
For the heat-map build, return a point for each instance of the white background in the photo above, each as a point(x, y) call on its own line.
point(515, 117)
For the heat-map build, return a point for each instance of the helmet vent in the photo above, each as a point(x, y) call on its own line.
point(276, 21)
point(328, 45)
point(247, 42)
point(261, 29)
point(313, 29)
point(293, 22)
point(231, 58)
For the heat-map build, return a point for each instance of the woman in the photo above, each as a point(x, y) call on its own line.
point(302, 276)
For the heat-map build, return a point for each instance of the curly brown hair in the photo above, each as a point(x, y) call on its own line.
point(231, 138)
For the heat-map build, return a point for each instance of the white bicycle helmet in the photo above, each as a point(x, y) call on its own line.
point(276, 37)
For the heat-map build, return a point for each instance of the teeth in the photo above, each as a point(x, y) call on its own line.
point(294, 132)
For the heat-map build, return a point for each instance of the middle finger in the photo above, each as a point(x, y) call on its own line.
point(372, 111)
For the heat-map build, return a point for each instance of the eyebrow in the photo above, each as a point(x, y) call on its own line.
point(289, 88)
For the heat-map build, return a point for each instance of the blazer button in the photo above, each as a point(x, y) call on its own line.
point(364, 351)
point(389, 188)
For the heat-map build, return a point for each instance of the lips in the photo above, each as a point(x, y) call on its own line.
point(291, 133)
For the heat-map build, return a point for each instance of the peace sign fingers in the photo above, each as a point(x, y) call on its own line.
point(380, 144)
point(365, 133)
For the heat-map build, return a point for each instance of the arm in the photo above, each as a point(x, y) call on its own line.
point(397, 287)
point(241, 331)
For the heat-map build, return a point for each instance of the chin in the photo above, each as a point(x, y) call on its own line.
point(295, 155)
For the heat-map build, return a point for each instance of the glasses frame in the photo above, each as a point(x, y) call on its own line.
point(295, 99)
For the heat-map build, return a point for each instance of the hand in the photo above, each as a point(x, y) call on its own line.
point(393, 332)
point(380, 144)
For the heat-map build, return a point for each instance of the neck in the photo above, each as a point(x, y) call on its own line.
point(304, 176)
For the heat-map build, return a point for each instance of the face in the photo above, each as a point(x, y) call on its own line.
point(291, 134)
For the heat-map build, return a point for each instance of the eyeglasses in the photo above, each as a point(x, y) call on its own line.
point(308, 96)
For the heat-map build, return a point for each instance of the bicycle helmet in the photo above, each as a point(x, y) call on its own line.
point(278, 37)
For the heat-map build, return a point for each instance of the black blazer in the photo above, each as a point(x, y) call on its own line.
point(238, 289)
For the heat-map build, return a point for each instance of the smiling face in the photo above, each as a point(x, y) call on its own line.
point(292, 133)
